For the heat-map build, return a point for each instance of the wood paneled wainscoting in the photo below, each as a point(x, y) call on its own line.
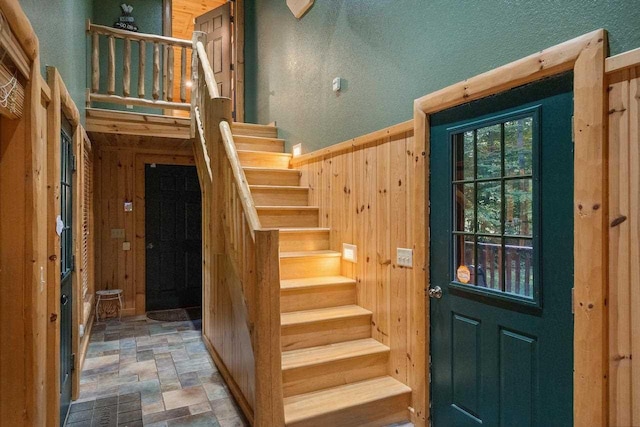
point(119, 162)
point(623, 78)
point(364, 188)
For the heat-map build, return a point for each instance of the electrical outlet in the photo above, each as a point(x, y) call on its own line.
point(404, 257)
point(126, 246)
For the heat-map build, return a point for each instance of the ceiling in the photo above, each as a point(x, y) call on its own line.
point(184, 12)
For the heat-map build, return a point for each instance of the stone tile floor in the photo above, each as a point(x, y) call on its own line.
point(143, 372)
point(140, 372)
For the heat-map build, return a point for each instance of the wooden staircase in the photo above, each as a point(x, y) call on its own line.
point(333, 372)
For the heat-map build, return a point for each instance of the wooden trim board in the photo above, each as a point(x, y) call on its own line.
point(358, 141)
point(585, 55)
point(228, 378)
point(624, 60)
point(126, 123)
point(53, 249)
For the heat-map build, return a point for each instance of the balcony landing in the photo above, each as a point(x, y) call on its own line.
point(139, 124)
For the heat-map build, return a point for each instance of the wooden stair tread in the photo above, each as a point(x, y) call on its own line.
point(278, 187)
point(317, 403)
point(322, 314)
point(312, 282)
point(314, 254)
point(305, 230)
point(332, 352)
point(265, 153)
point(240, 136)
point(254, 129)
point(270, 170)
point(288, 208)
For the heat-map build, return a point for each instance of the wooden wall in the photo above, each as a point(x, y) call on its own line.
point(624, 245)
point(118, 177)
point(226, 332)
point(23, 262)
point(365, 197)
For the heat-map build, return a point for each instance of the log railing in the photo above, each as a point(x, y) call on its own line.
point(164, 52)
point(234, 237)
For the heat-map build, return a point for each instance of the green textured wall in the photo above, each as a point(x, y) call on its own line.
point(390, 52)
point(60, 27)
point(148, 18)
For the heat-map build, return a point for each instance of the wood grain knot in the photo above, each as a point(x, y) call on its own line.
point(618, 221)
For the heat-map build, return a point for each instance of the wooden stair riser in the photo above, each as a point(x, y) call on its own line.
point(317, 297)
point(272, 177)
point(374, 403)
point(284, 196)
point(325, 332)
point(292, 218)
point(304, 240)
point(297, 268)
point(373, 414)
point(251, 129)
point(261, 159)
point(317, 377)
point(252, 143)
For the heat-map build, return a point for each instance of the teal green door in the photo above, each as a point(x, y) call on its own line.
point(66, 271)
point(501, 203)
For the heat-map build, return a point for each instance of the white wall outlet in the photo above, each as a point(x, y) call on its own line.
point(404, 257)
point(337, 82)
point(126, 246)
point(297, 150)
point(130, 106)
point(349, 252)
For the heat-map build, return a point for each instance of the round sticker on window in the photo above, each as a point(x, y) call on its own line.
point(463, 273)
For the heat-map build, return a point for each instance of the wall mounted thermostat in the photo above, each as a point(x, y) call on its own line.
point(128, 206)
point(336, 84)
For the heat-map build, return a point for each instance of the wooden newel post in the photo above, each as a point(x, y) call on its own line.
point(269, 406)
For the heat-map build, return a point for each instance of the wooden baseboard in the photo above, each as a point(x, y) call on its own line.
point(82, 351)
point(233, 386)
point(86, 338)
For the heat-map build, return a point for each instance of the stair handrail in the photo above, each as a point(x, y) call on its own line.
point(209, 77)
point(202, 142)
point(235, 233)
point(241, 180)
point(229, 145)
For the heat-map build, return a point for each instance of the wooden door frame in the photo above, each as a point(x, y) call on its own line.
point(585, 56)
point(139, 228)
point(61, 105)
point(237, 48)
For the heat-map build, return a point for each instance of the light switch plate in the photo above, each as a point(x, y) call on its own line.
point(117, 233)
point(404, 257)
point(336, 84)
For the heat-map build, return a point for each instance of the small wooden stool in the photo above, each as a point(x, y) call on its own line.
point(109, 295)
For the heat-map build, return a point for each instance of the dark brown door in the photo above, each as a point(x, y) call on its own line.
point(173, 237)
point(217, 25)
